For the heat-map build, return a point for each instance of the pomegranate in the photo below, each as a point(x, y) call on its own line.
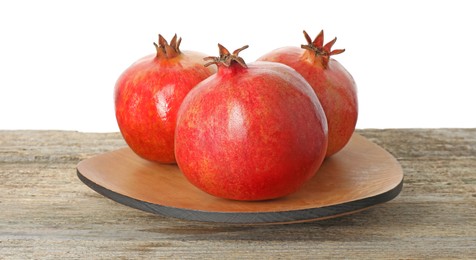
point(149, 93)
point(333, 84)
point(251, 131)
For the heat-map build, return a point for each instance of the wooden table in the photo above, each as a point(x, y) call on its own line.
point(46, 212)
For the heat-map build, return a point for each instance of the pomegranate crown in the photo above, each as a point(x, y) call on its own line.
point(166, 50)
point(317, 46)
point(226, 58)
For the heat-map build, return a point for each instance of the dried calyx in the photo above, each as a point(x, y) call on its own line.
point(319, 49)
point(226, 58)
point(166, 50)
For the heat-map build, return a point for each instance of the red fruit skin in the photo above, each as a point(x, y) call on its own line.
point(147, 97)
point(334, 86)
point(253, 133)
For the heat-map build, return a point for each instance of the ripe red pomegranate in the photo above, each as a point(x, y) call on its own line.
point(149, 93)
point(333, 84)
point(250, 132)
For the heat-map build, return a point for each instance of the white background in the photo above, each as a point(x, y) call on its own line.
point(414, 61)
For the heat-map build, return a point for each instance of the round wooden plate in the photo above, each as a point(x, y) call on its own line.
point(361, 175)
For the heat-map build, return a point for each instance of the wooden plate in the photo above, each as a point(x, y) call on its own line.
point(361, 175)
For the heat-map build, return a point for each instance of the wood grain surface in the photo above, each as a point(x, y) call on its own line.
point(46, 212)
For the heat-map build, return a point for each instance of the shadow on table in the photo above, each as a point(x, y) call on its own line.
point(372, 224)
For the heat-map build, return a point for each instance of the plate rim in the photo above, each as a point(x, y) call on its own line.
point(266, 217)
